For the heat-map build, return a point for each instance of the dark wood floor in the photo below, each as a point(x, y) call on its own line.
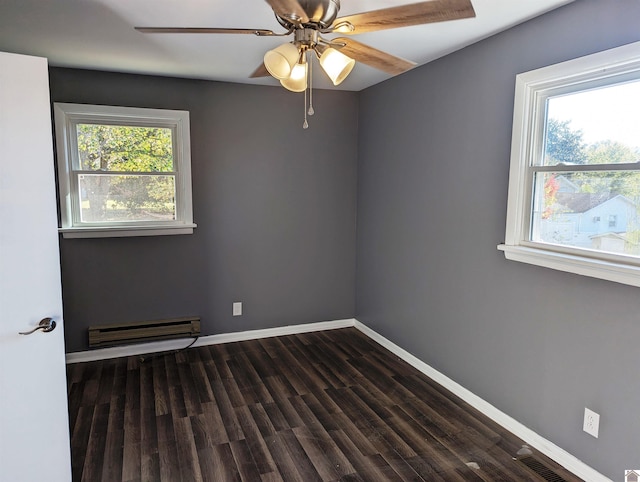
point(332, 405)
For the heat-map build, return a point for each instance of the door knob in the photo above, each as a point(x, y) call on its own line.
point(46, 325)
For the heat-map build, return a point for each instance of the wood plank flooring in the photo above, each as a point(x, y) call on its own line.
point(323, 406)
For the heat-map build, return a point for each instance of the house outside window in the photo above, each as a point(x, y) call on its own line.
point(123, 171)
point(574, 185)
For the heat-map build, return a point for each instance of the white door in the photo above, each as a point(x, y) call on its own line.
point(34, 429)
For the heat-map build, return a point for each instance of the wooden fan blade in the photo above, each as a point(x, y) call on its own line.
point(407, 15)
point(373, 57)
point(289, 9)
point(252, 31)
point(260, 72)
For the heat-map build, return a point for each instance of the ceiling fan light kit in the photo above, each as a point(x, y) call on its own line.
point(291, 62)
point(336, 65)
point(281, 60)
point(297, 81)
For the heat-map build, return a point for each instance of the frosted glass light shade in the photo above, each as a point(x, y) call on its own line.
point(336, 65)
point(281, 60)
point(297, 81)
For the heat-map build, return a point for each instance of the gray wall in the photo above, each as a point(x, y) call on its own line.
point(539, 344)
point(275, 208)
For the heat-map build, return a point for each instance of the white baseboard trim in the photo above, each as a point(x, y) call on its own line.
point(551, 450)
point(169, 345)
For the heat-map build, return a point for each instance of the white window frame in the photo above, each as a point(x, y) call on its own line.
point(532, 90)
point(67, 116)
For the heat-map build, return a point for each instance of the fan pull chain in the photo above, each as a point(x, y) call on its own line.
point(305, 124)
point(310, 64)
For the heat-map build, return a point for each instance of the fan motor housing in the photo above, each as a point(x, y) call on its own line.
point(321, 14)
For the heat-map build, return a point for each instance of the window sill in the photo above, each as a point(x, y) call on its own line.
point(595, 268)
point(126, 231)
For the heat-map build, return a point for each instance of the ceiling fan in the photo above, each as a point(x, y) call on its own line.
point(290, 62)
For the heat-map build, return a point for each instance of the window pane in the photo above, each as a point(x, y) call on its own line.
point(598, 126)
point(112, 198)
point(124, 148)
point(593, 210)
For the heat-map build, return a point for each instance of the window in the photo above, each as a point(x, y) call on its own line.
point(574, 182)
point(123, 171)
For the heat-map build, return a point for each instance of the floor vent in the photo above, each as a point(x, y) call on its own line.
point(115, 334)
point(539, 468)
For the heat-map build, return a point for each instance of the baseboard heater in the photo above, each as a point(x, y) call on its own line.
point(137, 332)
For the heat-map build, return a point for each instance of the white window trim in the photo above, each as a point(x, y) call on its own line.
point(532, 90)
point(68, 115)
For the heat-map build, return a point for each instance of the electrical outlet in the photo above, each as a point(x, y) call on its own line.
point(591, 423)
point(237, 308)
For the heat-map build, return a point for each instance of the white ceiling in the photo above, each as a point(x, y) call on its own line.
point(99, 34)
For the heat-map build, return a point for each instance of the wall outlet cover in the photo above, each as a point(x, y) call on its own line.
point(591, 423)
point(237, 308)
